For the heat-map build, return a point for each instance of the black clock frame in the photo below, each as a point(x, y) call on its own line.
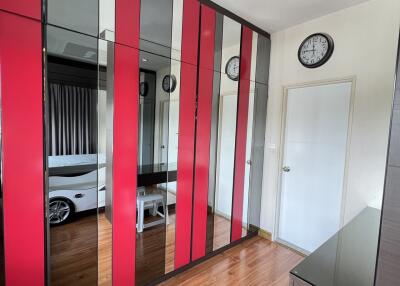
point(226, 68)
point(172, 83)
point(331, 47)
point(143, 88)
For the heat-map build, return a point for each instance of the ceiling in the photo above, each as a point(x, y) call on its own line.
point(275, 15)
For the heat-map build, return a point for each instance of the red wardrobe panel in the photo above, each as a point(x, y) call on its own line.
point(126, 102)
point(190, 31)
point(22, 131)
point(241, 132)
point(28, 8)
point(127, 22)
point(186, 139)
point(203, 131)
point(187, 110)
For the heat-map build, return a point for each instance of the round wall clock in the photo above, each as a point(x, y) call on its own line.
point(143, 88)
point(232, 68)
point(315, 50)
point(169, 83)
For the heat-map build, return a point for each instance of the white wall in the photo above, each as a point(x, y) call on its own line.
point(365, 47)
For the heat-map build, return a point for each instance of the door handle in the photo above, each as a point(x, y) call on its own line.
point(286, 169)
point(248, 162)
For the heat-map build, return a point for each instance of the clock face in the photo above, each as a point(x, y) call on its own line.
point(232, 68)
point(143, 89)
point(315, 50)
point(169, 83)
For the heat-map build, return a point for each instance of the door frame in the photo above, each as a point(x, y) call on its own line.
point(161, 130)
point(349, 79)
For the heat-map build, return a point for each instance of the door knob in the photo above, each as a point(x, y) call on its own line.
point(286, 169)
point(248, 162)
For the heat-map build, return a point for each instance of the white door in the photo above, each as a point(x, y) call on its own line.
point(313, 168)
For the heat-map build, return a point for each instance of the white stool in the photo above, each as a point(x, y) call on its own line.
point(146, 201)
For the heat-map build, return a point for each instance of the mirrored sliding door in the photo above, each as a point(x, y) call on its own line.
point(73, 160)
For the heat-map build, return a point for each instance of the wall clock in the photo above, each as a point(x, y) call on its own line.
point(169, 83)
point(143, 88)
point(232, 68)
point(315, 50)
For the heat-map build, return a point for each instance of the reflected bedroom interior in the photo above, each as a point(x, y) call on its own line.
point(80, 88)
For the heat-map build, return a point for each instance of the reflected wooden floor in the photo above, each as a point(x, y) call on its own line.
point(73, 251)
point(256, 261)
point(74, 256)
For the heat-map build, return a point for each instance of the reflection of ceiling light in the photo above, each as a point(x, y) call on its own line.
point(89, 54)
point(144, 60)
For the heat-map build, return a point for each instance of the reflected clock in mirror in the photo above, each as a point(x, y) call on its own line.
point(315, 50)
point(232, 68)
point(143, 89)
point(169, 83)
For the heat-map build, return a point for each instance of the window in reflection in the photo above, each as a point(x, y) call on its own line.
point(72, 157)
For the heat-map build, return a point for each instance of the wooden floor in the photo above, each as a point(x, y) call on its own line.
point(75, 255)
point(254, 262)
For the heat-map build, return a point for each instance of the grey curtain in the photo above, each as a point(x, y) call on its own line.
point(72, 115)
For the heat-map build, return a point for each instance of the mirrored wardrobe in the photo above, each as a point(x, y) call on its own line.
point(151, 121)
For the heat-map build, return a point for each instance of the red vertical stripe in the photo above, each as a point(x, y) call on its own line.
point(241, 132)
point(22, 131)
point(126, 80)
point(190, 31)
point(203, 134)
point(127, 22)
point(126, 101)
point(187, 109)
point(28, 8)
point(184, 194)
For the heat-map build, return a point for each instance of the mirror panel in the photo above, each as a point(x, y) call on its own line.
point(249, 136)
point(156, 26)
point(72, 149)
point(157, 161)
point(173, 132)
point(105, 159)
point(177, 30)
point(231, 36)
point(259, 130)
point(223, 132)
point(107, 20)
point(219, 21)
point(227, 112)
point(76, 15)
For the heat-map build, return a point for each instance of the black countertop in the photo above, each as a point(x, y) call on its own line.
point(147, 175)
point(346, 259)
